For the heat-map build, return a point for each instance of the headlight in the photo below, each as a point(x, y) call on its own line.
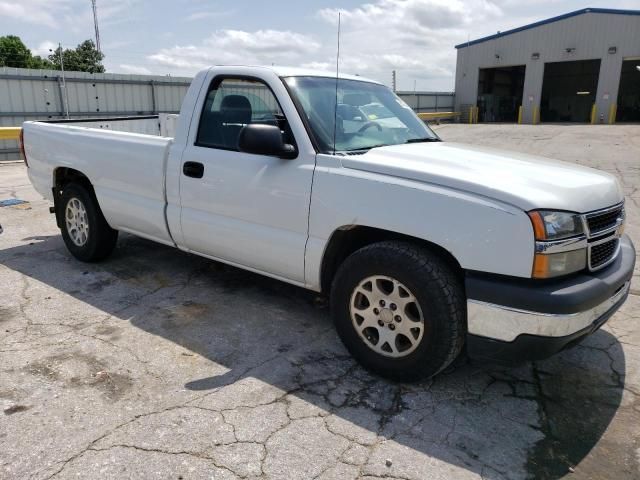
point(561, 246)
point(550, 225)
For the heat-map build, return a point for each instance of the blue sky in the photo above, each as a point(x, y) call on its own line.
point(179, 37)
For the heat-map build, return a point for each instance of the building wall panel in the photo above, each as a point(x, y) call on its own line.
point(589, 35)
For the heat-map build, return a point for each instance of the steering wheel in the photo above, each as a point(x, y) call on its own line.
point(369, 125)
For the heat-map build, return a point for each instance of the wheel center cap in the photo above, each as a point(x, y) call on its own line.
point(386, 315)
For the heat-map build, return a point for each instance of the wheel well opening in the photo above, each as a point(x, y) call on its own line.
point(347, 240)
point(65, 175)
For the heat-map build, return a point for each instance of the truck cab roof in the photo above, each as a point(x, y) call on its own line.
point(283, 71)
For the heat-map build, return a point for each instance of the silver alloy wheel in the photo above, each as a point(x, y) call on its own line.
point(77, 222)
point(387, 316)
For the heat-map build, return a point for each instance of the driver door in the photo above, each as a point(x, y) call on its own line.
point(245, 209)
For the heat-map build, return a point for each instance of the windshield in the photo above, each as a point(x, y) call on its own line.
point(368, 115)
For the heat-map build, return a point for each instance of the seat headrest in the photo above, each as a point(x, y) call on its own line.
point(235, 109)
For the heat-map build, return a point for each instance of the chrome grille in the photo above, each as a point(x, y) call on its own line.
point(603, 229)
point(603, 220)
point(602, 253)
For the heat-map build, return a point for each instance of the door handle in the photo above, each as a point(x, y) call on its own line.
point(193, 169)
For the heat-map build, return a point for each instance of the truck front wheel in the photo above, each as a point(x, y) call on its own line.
point(85, 231)
point(399, 309)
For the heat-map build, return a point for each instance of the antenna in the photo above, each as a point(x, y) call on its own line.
point(335, 108)
point(94, 7)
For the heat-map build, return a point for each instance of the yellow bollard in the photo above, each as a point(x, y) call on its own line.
point(520, 115)
point(593, 114)
point(613, 110)
point(9, 133)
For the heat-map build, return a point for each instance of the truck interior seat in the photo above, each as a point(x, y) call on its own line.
point(235, 113)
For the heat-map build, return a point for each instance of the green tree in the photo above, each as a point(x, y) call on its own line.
point(14, 53)
point(38, 62)
point(84, 58)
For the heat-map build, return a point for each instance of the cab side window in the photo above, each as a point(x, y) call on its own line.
point(233, 103)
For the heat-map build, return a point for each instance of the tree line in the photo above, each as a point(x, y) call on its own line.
point(84, 58)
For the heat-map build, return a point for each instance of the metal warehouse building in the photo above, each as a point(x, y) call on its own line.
point(583, 66)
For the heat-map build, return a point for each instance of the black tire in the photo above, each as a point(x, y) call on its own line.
point(100, 238)
point(438, 291)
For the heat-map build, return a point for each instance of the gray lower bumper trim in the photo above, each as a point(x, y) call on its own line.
point(506, 324)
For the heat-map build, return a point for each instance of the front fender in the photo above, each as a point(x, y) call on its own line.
point(481, 233)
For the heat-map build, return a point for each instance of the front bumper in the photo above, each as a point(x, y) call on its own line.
point(516, 320)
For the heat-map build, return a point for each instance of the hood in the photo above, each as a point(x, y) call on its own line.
point(526, 181)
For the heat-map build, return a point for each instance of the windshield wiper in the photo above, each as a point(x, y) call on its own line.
point(421, 140)
point(411, 140)
point(368, 147)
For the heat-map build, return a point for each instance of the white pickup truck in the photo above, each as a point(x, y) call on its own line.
point(425, 248)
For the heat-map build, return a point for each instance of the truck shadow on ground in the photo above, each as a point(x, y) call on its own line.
point(534, 420)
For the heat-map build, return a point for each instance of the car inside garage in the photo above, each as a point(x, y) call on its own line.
point(569, 91)
point(629, 92)
point(500, 93)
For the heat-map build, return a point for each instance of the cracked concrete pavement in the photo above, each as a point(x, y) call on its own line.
point(160, 364)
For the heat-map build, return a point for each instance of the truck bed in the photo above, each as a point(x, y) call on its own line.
point(127, 171)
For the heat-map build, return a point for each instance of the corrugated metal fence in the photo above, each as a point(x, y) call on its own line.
point(40, 95)
point(428, 101)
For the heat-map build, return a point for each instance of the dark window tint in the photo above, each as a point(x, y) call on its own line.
point(230, 105)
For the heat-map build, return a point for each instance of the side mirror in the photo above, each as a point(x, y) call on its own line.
point(262, 139)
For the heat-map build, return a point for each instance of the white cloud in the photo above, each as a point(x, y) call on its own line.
point(239, 47)
point(264, 41)
point(31, 11)
point(135, 69)
point(414, 15)
point(414, 37)
point(74, 14)
point(406, 35)
point(43, 48)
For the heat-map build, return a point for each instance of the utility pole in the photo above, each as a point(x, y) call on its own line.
point(94, 7)
point(393, 80)
point(65, 97)
point(64, 83)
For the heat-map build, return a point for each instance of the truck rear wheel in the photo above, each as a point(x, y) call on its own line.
point(399, 309)
point(85, 231)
